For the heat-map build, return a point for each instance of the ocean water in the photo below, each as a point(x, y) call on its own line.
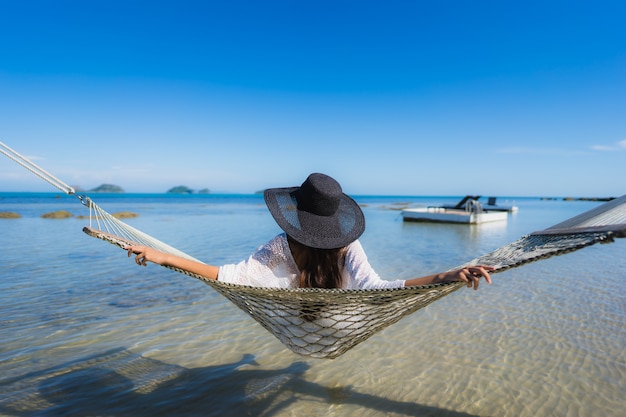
point(86, 332)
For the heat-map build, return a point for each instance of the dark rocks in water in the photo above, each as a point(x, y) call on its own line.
point(59, 214)
point(125, 215)
point(601, 199)
point(9, 215)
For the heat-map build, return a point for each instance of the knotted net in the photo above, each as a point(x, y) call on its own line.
point(325, 323)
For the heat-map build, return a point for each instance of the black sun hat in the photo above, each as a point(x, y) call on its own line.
point(317, 214)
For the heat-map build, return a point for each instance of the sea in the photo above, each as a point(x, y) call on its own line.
point(84, 331)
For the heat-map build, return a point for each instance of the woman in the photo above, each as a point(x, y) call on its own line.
point(318, 249)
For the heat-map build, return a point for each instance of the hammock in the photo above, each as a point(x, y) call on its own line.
point(325, 323)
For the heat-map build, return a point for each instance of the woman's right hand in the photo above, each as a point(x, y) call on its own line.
point(146, 254)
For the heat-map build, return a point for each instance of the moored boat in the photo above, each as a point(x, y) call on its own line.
point(467, 211)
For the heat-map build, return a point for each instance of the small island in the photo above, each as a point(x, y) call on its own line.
point(180, 189)
point(183, 189)
point(107, 188)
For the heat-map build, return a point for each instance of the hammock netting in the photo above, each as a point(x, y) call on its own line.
point(325, 323)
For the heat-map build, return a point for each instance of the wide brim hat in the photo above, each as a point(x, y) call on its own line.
point(316, 214)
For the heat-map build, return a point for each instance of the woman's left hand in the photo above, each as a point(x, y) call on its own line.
point(471, 275)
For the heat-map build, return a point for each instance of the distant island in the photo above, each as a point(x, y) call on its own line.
point(183, 189)
point(112, 188)
point(180, 189)
point(107, 188)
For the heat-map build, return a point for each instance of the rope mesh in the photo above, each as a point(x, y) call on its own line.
point(325, 323)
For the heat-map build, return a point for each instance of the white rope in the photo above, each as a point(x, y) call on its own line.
point(35, 169)
point(110, 224)
point(105, 221)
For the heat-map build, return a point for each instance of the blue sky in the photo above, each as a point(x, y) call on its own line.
point(397, 97)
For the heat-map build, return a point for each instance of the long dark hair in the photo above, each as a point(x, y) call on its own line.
point(319, 268)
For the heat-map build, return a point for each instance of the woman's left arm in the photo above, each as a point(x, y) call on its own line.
point(470, 275)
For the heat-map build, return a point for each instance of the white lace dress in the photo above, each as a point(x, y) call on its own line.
point(273, 266)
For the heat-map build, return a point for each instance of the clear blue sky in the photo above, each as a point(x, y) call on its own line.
point(509, 98)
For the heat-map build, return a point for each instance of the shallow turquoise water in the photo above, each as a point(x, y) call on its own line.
point(86, 332)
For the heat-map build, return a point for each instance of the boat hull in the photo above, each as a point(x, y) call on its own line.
point(508, 209)
point(443, 215)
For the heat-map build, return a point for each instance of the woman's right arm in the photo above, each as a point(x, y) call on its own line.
point(146, 254)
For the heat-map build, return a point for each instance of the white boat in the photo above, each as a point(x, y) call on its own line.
point(490, 206)
point(471, 213)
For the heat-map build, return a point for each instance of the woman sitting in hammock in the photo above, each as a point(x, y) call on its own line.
point(318, 249)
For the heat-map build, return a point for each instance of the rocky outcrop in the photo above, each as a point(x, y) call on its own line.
point(9, 215)
point(59, 214)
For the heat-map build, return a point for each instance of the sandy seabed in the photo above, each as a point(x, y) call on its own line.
point(85, 332)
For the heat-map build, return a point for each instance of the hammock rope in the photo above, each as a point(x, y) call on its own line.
point(326, 323)
point(33, 168)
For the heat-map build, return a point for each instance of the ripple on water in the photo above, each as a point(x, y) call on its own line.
point(545, 339)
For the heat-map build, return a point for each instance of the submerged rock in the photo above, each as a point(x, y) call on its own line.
point(59, 214)
point(125, 215)
point(9, 215)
